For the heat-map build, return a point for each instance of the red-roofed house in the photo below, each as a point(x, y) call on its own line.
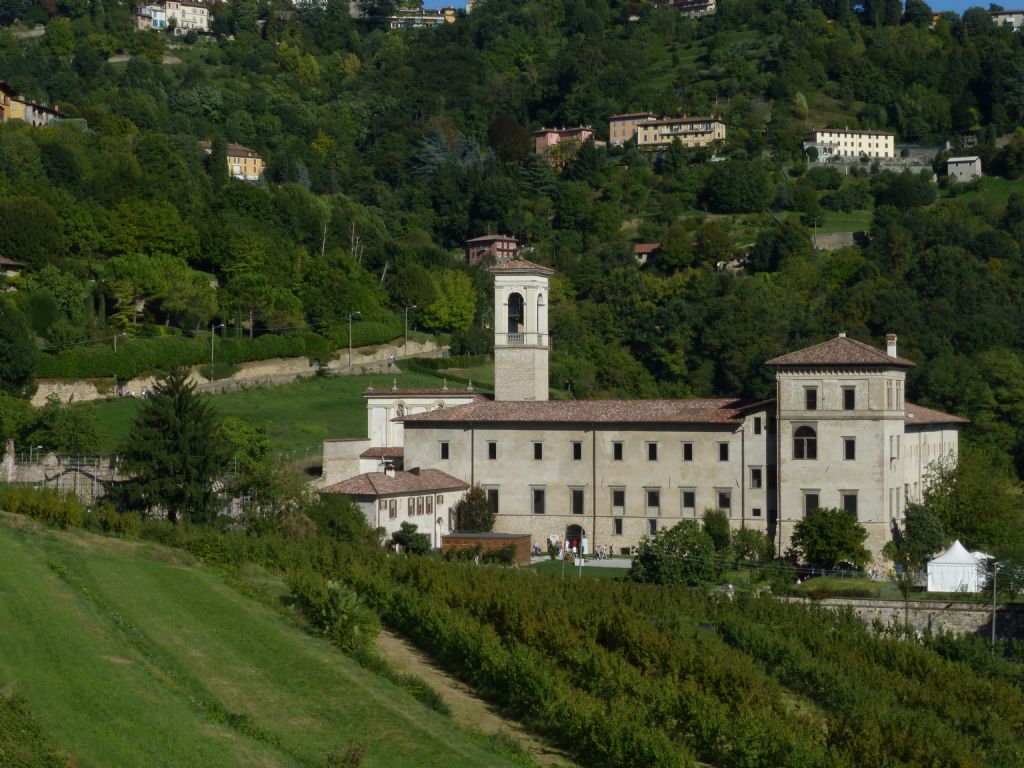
point(423, 497)
point(496, 246)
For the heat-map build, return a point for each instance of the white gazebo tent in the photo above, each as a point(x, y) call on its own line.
point(957, 570)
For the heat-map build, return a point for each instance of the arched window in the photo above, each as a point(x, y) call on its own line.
point(805, 443)
point(516, 315)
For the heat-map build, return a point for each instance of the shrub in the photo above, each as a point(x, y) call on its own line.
point(682, 554)
point(332, 609)
point(716, 525)
point(64, 510)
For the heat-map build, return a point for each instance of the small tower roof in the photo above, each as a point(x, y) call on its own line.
point(521, 267)
point(840, 351)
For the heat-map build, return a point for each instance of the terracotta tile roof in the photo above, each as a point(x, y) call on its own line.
point(630, 114)
point(403, 483)
point(685, 120)
point(382, 453)
point(521, 265)
point(5, 262)
point(918, 415)
point(487, 238)
point(693, 411)
point(841, 351)
point(646, 247)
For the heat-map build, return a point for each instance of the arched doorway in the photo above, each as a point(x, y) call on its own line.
point(576, 535)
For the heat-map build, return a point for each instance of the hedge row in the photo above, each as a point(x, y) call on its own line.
point(136, 357)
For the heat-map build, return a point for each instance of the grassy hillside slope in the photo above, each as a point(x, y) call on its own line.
point(128, 656)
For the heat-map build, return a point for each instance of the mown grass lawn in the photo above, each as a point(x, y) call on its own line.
point(854, 221)
point(555, 568)
point(127, 655)
point(297, 416)
point(996, 190)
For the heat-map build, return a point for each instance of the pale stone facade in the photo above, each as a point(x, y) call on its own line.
point(690, 131)
point(963, 169)
point(835, 144)
point(520, 330)
point(610, 472)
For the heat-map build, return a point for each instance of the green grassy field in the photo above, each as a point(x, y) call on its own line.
point(555, 568)
point(996, 190)
point(855, 221)
point(297, 416)
point(127, 655)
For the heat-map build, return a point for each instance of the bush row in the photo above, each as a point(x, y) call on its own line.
point(45, 504)
point(139, 356)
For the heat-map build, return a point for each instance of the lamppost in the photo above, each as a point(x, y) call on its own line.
point(212, 329)
point(354, 314)
point(115, 339)
point(411, 306)
point(33, 448)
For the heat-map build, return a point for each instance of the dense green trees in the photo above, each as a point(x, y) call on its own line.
point(682, 554)
point(824, 538)
point(473, 513)
point(18, 372)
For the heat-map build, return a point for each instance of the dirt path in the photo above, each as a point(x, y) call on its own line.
point(466, 706)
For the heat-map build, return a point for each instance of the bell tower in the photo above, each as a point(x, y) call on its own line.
point(521, 338)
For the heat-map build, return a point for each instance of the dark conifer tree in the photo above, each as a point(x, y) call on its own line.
point(174, 452)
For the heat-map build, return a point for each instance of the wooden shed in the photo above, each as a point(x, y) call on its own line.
point(488, 542)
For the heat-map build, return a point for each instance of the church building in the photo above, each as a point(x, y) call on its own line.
point(609, 472)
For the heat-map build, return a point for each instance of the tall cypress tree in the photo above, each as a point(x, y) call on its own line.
point(174, 452)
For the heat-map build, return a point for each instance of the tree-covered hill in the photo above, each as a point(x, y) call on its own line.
point(386, 150)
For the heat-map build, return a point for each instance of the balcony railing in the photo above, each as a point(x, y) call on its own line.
point(521, 339)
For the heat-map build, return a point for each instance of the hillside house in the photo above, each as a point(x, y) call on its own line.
point(1012, 19)
point(963, 169)
point(496, 246)
point(421, 18)
point(151, 16)
point(643, 252)
point(622, 128)
point(13, 106)
point(243, 163)
point(835, 144)
point(690, 131)
point(184, 16)
point(424, 497)
point(694, 8)
point(559, 145)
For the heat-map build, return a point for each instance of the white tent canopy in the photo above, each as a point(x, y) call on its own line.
point(957, 570)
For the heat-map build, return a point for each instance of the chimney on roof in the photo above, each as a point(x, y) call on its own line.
point(389, 469)
point(842, 334)
point(890, 344)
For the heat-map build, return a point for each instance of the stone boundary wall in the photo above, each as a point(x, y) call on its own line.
point(281, 370)
point(955, 617)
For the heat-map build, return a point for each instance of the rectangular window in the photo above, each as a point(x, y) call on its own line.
point(616, 451)
point(849, 448)
point(724, 500)
point(756, 512)
point(444, 451)
point(757, 425)
point(440, 500)
point(577, 501)
point(755, 477)
point(652, 451)
point(617, 526)
point(687, 451)
point(419, 505)
point(653, 500)
point(411, 507)
point(430, 504)
point(618, 501)
point(492, 499)
point(811, 502)
point(538, 501)
point(849, 398)
point(652, 527)
point(849, 501)
point(538, 451)
point(689, 502)
point(577, 451)
point(492, 450)
point(723, 451)
point(811, 398)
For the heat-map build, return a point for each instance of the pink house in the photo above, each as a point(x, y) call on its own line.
point(500, 246)
point(546, 138)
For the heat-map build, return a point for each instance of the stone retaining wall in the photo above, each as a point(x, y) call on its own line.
point(955, 617)
point(281, 370)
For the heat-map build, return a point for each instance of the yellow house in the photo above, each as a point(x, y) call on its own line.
point(14, 107)
point(691, 131)
point(243, 163)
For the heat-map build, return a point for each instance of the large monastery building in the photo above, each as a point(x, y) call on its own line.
point(839, 433)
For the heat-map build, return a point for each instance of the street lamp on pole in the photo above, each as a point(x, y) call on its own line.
point(353, 314)
point(212, 329)
point(411, 306)
point(32, 448)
